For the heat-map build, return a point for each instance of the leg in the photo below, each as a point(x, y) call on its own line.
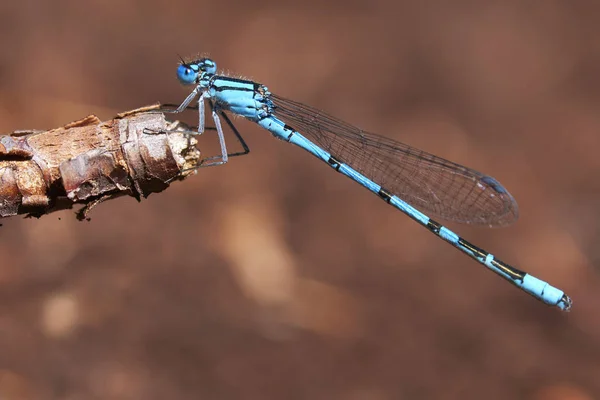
point(216, 111)
point(235, 132)
point(187, 100)
point(201, 113)
point(184, 106)
point(179, 127)
point(224, 157)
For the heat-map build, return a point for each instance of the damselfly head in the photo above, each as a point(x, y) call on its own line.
point(190, 73)
point(208, 66)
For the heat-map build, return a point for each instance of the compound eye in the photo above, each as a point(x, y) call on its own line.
point(186, 74)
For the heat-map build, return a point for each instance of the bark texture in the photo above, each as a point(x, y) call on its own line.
point(86, 162)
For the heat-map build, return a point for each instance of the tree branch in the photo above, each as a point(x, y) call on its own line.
point(89, 161)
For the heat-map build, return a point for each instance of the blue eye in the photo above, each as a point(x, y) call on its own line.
point(186, 74)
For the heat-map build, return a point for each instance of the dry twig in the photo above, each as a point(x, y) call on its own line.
point(89, 161)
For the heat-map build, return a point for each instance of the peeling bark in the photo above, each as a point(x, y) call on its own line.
point(89, 161)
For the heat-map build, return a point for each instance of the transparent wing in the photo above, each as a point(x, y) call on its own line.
point(434, 186)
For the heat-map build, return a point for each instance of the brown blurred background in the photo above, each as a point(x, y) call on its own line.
point(273, 277)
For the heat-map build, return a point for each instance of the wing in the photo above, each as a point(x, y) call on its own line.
point(435, 186)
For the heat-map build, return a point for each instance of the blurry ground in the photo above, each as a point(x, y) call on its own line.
point(274, 277)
